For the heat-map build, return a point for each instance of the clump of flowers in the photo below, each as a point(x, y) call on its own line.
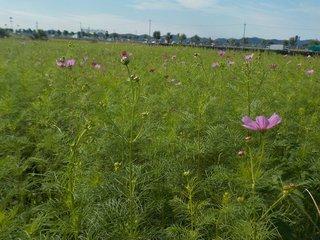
point(134, 78)
point(262, 123)
point(125, 59)
point(63, 63)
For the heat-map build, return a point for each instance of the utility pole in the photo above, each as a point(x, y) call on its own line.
point(150, 27)
point(11, 22)
point(37, 25)
point(244, 33)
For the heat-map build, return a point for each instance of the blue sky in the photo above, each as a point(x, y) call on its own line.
point(211, 18)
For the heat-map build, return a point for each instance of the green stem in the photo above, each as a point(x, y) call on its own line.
point(273, 205)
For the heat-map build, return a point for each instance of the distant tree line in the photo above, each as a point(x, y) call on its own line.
point(168, 38)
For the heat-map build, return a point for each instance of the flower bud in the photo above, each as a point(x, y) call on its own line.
point(117, 166)
point(241, 153)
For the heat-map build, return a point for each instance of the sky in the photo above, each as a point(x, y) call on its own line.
point(279, 19)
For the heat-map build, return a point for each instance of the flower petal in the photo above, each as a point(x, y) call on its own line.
point(274, 120)
point(262, 122)
point(249, 123)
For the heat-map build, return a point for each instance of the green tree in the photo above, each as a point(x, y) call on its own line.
point(232, 41)
point(169, 37)
point(182, 37)
point(195, 39)
point(40, 35)
point(3, 33)
point(157, 35)
point(106, 34)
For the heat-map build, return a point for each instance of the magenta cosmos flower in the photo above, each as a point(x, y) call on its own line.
point(125, 58)
point(62, 62)
point(70, 63)
point(221, 53)
point(261, 124)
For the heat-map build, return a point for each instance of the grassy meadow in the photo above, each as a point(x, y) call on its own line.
point(90, 153)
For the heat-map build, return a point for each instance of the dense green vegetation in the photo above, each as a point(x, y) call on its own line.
point(91, 153)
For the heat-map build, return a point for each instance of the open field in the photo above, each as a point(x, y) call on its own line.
point(89, 153)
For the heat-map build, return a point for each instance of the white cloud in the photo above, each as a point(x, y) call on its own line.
point(154, 5)
point(173, 4)
point(196, 4)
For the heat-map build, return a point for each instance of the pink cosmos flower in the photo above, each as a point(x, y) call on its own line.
point(261, 124)
point(62, 62)
point(70, 63)
point(125, 58)
point(215, 65)
point(249, 57)
point(96, 65)
point(221, 53)
point(310, 72)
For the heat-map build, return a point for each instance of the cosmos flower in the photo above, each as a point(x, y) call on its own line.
point(249, 57)
point(221, 53)
point(63, 63)
point(310, 72)
point(96, 65)
point(241, 153)
point(70, 63)
point(261, 124)
point(215, 65)
point(125, 58)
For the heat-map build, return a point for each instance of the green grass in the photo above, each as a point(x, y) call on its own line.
point(87, 154)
